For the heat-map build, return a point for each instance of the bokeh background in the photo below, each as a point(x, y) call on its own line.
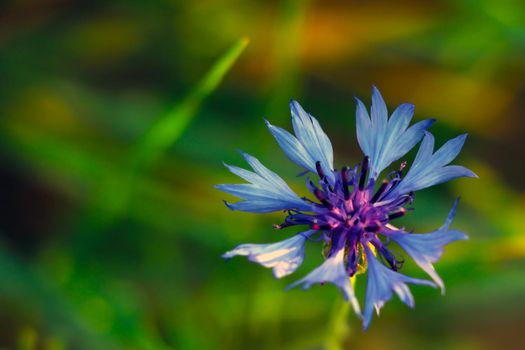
point(116, 117)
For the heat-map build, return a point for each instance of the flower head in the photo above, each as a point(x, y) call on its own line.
point(351, 210)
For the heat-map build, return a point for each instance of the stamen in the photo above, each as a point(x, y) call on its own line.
point(397, 214)
point(380, 191)
point(335, 213)
point(406, 198)
point(394, 263)
point(402, 167)
point(319, 169)
point(387, 255)
point(300, 219)
point(373, 227)
point(346, 180)
point(321, 196)
point(351, 248)
point(308, 200)
point(411, 195)
point(364, 170)
point(393, 183)
point(320, 227)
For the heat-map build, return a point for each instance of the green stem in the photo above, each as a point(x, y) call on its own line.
point(338, 328)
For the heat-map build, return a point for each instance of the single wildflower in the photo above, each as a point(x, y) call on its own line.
point(352, 210)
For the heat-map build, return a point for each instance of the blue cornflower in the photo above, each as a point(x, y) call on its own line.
point(353, 211)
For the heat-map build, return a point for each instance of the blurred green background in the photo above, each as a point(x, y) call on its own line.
point(116, 117)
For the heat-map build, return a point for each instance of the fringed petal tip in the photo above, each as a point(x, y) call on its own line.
point(295, 106)
point(228, 205)
point(375, 91)
point(386, 139)
point(228, 255)
point(283, 257)
point(265, 191)
point(332, 271)
point(431, 168)
point(308, 145)
point(427, 248)
point(470, 173)
point(404, 295)
point(382, 282)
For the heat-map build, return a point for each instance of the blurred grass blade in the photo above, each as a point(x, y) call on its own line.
point(169, 127)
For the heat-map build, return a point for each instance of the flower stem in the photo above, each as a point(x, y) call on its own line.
point(338, 327)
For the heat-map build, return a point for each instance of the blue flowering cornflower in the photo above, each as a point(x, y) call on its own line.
point(353, 211)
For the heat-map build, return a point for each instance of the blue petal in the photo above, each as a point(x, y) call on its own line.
point(427, 248)
point(378, 110)
point(398, 123)
point(363, 128)
point(310, 143)
point(430, 169)
point(283, 257)
point(449, 151)
point(379, 116)
point(311, 135)
point(425, 150)
point(332, 270)
point(259, 205)
point(381, 282)
point(265, 173)
point(386, 140)
point(402, 142)
point(266, 192)
point(246, 191)
point(293, 149)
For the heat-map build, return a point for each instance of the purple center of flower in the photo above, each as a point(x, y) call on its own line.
point(352, 212)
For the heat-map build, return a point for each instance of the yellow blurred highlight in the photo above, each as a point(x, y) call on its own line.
point(337, 34)
point(54, 344)
point(510, 248)
point(41, 107)
point(105, 39)
point(470, 103)
point(27, 339)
